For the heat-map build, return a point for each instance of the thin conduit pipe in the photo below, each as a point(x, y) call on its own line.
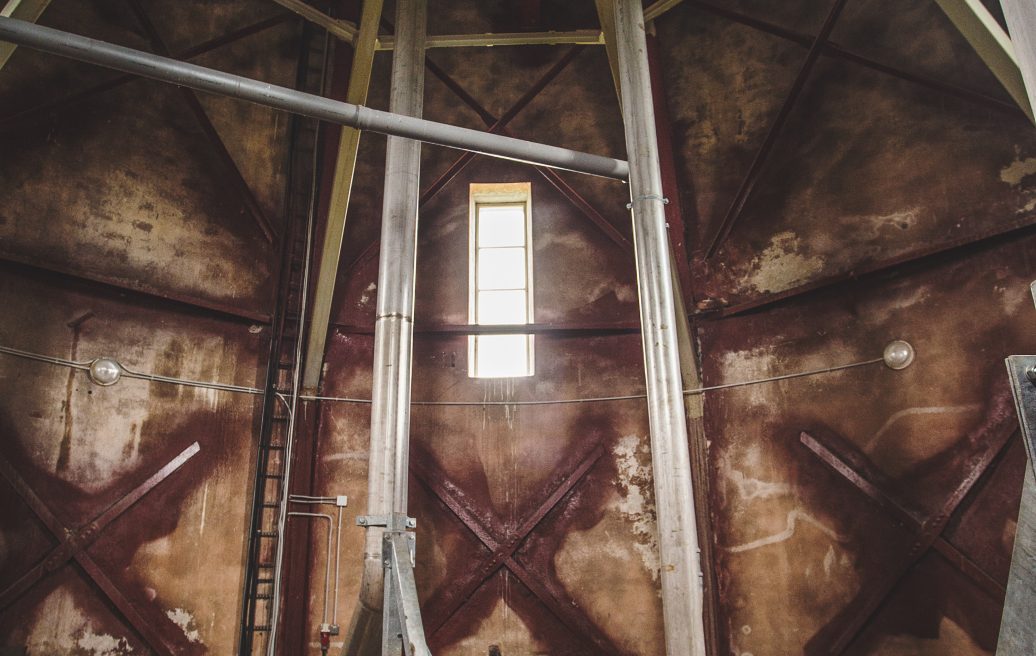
point(346, 399)
point(327, 568)
point(192, 76)
point(303, 498)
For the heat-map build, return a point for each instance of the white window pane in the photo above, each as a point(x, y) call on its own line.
point(502, 307)
point(501, 268)
point(502, 356)
point(501, 225)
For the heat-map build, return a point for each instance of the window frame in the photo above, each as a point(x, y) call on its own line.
point(499, 195)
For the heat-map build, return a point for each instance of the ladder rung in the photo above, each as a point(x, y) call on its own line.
point(266, 534)
point(271, 505)
point(265, 566)
point(262, 581)
point(263, 595)
point(261, 627)
point(274, 476)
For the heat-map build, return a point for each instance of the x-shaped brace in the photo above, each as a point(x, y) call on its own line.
point(72, 544)
point(928, 533)
point(503, 545)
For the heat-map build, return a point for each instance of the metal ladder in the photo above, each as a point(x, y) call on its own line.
point(271, 466)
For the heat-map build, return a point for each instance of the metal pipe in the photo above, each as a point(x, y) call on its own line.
point(393, 328)
point(270, 95)
point(682, 597)
point(327, 567)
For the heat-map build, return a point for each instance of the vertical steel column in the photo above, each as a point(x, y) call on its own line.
point(393, 330)
point(670, 458)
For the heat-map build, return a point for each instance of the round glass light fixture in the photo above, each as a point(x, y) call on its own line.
point(898, 354)
point(105, 371)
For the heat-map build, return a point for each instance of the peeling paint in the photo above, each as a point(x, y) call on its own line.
point(782, 264)
point(633, 461)
point(183, 619)
point(1018, 170)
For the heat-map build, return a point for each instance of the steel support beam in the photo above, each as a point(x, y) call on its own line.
point(233, 173)
point(235, 86)
point(991, 43)
point(682, 596)
point(27, 10)
point(338, 206)
point(504, 544)
point(340, 29)
point(73, 542)
point(389, 455)
point(1021, 22)
point(499, 39)
point(744, 192)
point(992, 438)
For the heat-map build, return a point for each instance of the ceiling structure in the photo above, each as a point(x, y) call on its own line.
point(840, 174)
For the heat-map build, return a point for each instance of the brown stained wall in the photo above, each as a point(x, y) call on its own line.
point(124, 187)
point(597, 546)
point(867, 171)
point(178, 552)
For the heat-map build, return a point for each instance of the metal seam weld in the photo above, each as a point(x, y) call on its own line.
point(346, 399)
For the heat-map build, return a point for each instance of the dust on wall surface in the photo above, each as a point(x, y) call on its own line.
point(123, 235)
point(870, 173)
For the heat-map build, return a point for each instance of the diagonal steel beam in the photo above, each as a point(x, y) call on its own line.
point(503, 545)
point(836, 51)
point(72, 544)
point(744, 192)
point(928, 255)
point(903, 514)
point(371, 249)
point(233, 173)
point(494, 124)
point(1021, 21)
point(340, 29)
point(29, 10)
point(990, 41)
point(138, 289)
point(16, 119)
point(338, 206)
point(994, 435)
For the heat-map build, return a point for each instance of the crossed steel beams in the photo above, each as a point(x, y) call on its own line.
point(928, 534)
point(818, 45)
point(235, 178)
point(503, 543)
point(72, 545)
point(498, 125)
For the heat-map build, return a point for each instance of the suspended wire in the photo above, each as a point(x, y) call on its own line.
point(129, 373)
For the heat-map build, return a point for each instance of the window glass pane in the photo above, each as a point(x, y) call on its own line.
point(501, 307)
point(501, 225)
point(501, 268)
point(501, 356)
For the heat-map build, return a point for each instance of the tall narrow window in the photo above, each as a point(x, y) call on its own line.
point(500, 279)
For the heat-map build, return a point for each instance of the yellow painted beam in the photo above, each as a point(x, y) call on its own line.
point(27, 10)
point(341, 189)
point(992, 44)
point(582, 37)
point(343, 30)
point(606, 14)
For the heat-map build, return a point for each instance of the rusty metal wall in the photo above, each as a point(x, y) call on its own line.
point(867, 511)
point(887, 208)
point(140, 223)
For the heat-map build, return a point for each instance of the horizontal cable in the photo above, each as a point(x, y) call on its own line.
point(346, 399)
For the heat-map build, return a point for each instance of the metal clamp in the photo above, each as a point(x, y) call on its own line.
point(665, 201)
point(392, 521)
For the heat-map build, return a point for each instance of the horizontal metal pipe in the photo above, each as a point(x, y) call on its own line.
point(184, 74)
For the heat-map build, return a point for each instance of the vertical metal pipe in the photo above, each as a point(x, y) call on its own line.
point(393, 330)
point(670, 457)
